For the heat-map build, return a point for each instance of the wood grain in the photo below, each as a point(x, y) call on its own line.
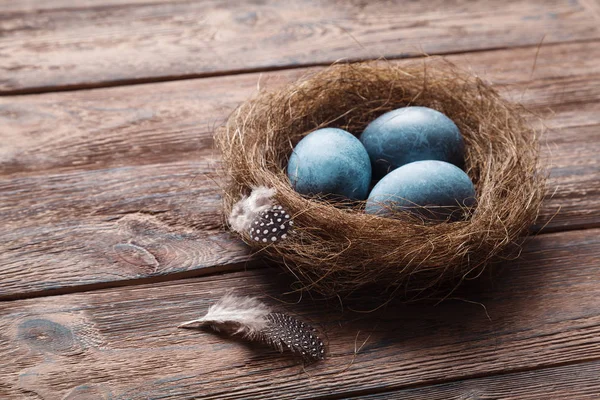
point(112, 225)
point(157, 123)
point(80, 167)
point(122, 343)
point(593, 7)
point(58, 47)
point(116, 189)
point(578, 381)
point(33, 6)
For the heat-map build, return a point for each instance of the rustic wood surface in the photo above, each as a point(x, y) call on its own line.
point(536, 313)
point(578, 381)
point(111, 225)
point(117, 42)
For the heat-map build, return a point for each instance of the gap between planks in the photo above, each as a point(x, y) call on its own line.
point(391, 389)
point(55, 48)
point(394, 393)
point(287, 67)
point(254, 264)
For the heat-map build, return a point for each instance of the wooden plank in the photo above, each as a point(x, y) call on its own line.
point(35, 6)
point(579, 381)
point(78, 173)
point(122, 343)
point(573, 196)
point(593, 7)
point(112, 225)
point(156, 123)
point(58, 48)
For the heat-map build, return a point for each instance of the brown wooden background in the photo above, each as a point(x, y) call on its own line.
point(111, 233)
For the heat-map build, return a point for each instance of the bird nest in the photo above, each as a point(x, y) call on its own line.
point(336, 248)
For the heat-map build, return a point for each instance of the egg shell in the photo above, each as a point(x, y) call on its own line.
point(330, 161)
point(440, 186)
point(411, 134)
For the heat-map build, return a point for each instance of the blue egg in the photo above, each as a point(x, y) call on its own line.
point(411, 134)
point(330, 161)
point(437, 185)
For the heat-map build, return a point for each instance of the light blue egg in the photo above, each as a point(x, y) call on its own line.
point(411, 134)
point(330, 161)
point(437, 185)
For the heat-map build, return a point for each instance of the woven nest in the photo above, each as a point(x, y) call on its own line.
point(337, 248)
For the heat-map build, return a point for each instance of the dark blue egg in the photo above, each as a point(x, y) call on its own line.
point(437, 185)
point(330, 161)
point(411, 134)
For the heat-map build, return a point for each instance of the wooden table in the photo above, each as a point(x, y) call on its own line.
point(112, 234)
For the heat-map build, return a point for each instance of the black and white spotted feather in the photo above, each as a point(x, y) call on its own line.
point(285, 331)
point(260, 218)
point(271, 225)
point(255, 321)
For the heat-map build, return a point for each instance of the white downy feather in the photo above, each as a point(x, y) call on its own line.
point(248, 208)
point(236, 314)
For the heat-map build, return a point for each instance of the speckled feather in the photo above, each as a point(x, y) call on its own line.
point(254, 321)
point(271, 225)
point(285, 331)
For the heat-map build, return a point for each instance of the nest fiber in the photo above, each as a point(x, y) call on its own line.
point(338, 248)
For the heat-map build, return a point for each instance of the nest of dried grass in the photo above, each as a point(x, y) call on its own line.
point(337, 248)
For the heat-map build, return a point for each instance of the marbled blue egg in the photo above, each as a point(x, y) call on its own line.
point(437, 185)
point(411, 134)
point(330, 161)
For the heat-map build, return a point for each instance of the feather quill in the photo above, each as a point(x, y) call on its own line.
point(253, 320)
